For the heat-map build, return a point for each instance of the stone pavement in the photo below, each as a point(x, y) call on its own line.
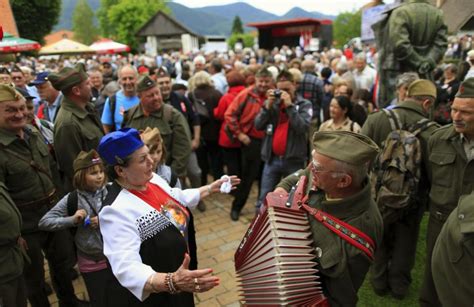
point(217, 239)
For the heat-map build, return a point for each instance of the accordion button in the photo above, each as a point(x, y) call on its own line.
point(319, 252)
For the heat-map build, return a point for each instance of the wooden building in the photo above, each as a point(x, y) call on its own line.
point(163, 32)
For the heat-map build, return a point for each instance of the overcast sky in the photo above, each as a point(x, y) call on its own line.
point(280, 7)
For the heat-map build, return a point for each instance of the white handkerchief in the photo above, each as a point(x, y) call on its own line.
point(226, 186)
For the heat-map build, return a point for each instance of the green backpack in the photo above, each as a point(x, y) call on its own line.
point(397, 168)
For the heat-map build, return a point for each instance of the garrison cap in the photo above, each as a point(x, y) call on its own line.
point(68, 77)
point(86, 159)
point(162, 72)
point(144, 83)
point(151, 136)
point(8, 93)
point(421, 87)
point(466, 89)
point(346, 146)
point(116, 146)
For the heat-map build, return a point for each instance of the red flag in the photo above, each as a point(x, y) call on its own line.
point(1, 33)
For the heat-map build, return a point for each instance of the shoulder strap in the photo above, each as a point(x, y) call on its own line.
point(72, 200)
point(352, 126)
point(167, 114)
point(422, 125)
point(348, 233)
point(31, 163)
point(173, 179)
point(113, 106)
point(393, 119)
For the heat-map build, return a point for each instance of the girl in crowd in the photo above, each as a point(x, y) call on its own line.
point(340, 111)
point(80, 209)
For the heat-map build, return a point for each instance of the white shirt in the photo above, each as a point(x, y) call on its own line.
point(364, 79)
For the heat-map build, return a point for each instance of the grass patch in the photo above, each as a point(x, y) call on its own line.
point(367, 296)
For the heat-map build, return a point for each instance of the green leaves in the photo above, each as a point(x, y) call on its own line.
point(237, 25)
point(347, 25)
point(83, 23)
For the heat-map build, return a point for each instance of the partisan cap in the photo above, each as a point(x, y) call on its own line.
point(421, 87)
point(144, 83)
point(86, 160)
point(162, 72)
point(151, 136)
point(116, 146)
point(349, 147)
point(41, 78)
point(8, 93)
point(68, 77)
point(466, 89)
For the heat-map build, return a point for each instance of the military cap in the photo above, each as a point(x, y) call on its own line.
point(151, 136)
point(466, 89)
point(162, 72)
point(346, 146)
point(116, 146)
point(68, 77)
point(24, 93)
point(421, 87)
point(86, 159)
point(144, 83)
point(41, 78)
point(8, 93)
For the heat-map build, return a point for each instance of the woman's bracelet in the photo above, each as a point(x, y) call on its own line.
point(209, 190)
point(169, 283)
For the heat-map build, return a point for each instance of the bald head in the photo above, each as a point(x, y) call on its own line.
point(308, 66)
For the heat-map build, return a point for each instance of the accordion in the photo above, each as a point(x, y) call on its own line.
point(275, 262)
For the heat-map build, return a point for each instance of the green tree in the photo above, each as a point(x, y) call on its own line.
point(35, 18)
point(83, 23)
point(106, 27)
point(128, 16)
point(237, 25)
point(247, 39)
point(347, 25)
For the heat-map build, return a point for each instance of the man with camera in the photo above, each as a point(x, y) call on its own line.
point(285, 117)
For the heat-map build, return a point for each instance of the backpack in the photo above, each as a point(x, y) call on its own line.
point(396, 171)
point(113, 106)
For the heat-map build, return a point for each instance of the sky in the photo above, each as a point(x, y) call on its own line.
point(280, 7)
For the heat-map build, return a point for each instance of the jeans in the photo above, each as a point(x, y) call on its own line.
point(275, 170)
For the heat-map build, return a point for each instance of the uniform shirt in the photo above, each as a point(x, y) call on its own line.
point(468, 147)
point(174, 131)
point(122, 104)
point(75, 130)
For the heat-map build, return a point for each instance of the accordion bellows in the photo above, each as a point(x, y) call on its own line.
point(275, 262)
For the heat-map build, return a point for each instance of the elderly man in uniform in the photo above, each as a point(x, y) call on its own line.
point(77, 127)
point(411, 38)
point(453, 259)
point(153, 112)
point(396, 255)
point(451, 171)
point(338, 185)
point(30, 175)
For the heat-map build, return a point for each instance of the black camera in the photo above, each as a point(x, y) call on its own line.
point(277, 93)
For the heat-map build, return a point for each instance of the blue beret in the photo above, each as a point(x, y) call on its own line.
point(117, 145)
point(41, 78)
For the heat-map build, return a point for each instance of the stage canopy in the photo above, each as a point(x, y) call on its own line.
point(65, 46)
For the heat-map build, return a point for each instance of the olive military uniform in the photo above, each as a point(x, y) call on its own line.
point(76, 130)
point(411, 38)
point(453, 256)
point(451, 175)
point(28, 172)
point(173, 129)
point(396, 255)
point(12, 287)
point(342, 266)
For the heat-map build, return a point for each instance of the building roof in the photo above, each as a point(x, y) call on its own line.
point(162, 24)
point(7, 20)
point(57, 36)
point(288, 22)
point(457, 14)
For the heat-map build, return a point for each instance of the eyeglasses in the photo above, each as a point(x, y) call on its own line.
point(315, 168)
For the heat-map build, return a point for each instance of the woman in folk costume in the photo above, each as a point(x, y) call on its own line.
point(144, 226)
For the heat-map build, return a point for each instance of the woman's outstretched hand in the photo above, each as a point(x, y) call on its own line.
point(194, 281)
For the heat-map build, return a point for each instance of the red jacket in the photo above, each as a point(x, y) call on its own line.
point(241, 113)
point(224, 139)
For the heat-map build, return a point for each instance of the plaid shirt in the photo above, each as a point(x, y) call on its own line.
point(311, 88)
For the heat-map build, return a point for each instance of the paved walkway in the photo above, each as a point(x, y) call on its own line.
point(217, 239)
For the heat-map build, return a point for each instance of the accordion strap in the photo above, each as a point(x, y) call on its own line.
point(348, 233)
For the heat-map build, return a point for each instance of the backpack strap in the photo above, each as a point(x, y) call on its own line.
point(173, 179)
point(393, 118)
point(72, 200)
point(348, 233)
point(167, 114)
point(421, 126)
point(113, 107)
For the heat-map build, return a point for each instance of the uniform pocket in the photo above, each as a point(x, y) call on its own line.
point(442, 166)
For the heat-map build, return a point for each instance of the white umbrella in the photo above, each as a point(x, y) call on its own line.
point(109, 46)
point(65, 46)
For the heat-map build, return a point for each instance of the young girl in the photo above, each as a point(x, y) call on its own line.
point(90, 183)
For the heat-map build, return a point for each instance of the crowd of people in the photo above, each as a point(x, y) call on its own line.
point(120, 148)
